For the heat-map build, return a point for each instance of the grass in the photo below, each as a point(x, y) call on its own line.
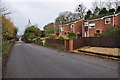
point(6, 47)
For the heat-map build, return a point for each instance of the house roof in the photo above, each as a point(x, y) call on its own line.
point(92, 19)
point(105, 17)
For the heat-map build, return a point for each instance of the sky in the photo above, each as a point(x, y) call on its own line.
point(40, 12)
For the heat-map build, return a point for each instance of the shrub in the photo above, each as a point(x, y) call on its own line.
point(38, 39)
point(71, 34)
point(111, 31)
point(31, 38)
point(66, 38)
point(52, 36)
point(61, 37)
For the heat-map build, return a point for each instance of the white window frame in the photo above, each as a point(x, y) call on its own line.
point(72, 28)
point(86, 23)
point(107, 19)
point(62, 29)
point(90, 25)
point(86, 34)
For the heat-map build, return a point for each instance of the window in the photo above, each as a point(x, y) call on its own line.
point(65, 33)
point(107, 21)
point(62, 28)
point(86, 23)
point(98, 31)
point(92, 25)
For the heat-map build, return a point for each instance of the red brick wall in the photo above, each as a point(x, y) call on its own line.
point(119, 19)
point(99, 25)
point(78, 27)
point(66, 29)
point(116, 19)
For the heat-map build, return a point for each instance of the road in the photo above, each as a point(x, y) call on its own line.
point(32, 61)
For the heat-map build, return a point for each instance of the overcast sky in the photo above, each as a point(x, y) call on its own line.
point(40, 12)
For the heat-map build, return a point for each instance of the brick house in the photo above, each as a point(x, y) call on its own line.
point(88, 28)
point(75, 27)
point(97, 26)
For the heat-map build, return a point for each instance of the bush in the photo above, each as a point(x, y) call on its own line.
point(31, 38)
point(61, 37)
point(66, 38)
point(31, 33)
point(38, 39)
point(53, 36)
point(111, 31)
point(72, 35)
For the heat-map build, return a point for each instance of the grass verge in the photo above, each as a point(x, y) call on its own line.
point(6, 47)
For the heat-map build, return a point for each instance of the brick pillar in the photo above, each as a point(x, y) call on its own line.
point(64, 44)
point(70, 45)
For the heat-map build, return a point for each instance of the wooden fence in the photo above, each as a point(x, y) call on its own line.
point(97, 42)
point(55, 43)
point(111, 42)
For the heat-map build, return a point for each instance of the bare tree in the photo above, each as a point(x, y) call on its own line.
point(80, 10)
point(66, 17)
point(3, 9)
point(116, 3)
point(94, 6)
point(108, 4)
point(101, 4)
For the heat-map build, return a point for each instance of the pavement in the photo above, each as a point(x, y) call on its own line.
point(33, 61)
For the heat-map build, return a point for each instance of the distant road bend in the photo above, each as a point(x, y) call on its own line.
point(32, 61)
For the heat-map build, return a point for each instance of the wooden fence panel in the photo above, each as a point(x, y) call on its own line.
point(95, 41)
point(118, 42)
point(109, 42)
point(67, 44)
point(55, 41)
point(113, 42)
point(78, 43)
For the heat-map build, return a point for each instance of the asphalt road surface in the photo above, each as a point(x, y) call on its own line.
point(32, 61)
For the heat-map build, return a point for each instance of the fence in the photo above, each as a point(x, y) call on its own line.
point(112, 42)
point(55, 43)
